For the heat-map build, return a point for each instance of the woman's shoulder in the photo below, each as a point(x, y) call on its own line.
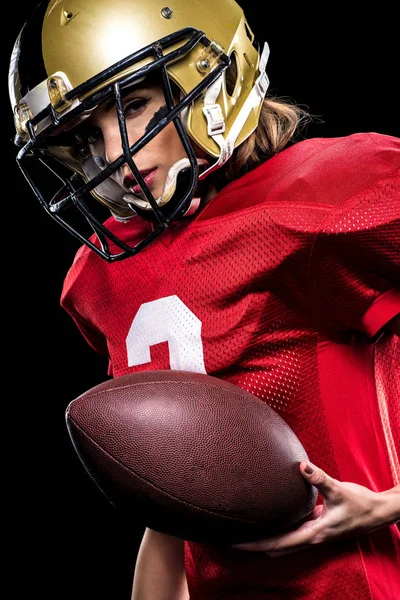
point(353, 147)
point(315, 171)
point(360, 151)
point(337, 168)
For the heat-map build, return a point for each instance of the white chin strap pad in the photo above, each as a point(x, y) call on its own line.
point(169, 186)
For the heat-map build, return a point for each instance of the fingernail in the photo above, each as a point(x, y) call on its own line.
point(309, 469)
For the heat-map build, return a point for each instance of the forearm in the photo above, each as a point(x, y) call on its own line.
point(159, 572)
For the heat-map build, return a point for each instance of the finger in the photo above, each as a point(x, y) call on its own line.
point(325, 484)
point(286, 552)
point(258, 546)
point(316, 513)
point(307, 532)
point(293, 538)
point(285, 542)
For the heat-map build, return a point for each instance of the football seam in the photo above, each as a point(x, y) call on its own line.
point(158, 489)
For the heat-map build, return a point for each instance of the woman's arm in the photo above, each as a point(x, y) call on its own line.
point(348, 509)
point(159, 571)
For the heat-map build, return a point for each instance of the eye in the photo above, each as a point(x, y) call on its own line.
point(93, 135)
point(134, 106)
point(88, 135)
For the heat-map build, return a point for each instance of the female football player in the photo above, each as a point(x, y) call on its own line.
point(214, 240)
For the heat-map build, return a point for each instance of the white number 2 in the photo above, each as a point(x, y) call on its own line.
point(167, 320)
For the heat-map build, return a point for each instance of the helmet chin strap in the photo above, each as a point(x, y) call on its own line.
point(215, 118)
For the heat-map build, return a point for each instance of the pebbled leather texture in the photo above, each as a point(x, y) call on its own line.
point(191, 455)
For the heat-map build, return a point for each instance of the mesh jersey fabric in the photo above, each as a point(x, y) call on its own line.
point(282, 286)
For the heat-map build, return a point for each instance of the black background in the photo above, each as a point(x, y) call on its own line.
point(66, 540)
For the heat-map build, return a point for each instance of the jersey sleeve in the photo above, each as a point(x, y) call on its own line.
point(354, 268)
point(73, 300)
point(93, 337)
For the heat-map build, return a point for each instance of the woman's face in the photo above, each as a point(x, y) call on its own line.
point(143, 106)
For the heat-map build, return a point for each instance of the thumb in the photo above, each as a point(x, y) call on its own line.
point(318, 478)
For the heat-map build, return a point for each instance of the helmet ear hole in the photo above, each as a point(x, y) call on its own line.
point(231, 76)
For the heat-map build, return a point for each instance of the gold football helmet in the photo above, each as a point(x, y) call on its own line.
point(70, 56)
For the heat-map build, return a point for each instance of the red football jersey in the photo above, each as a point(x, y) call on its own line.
point(282, 286)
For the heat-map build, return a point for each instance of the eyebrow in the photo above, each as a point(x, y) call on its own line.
point(110, 103)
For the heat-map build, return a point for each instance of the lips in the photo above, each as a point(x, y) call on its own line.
point(131, 182)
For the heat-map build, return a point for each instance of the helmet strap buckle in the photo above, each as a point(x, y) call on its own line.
point(215, 119)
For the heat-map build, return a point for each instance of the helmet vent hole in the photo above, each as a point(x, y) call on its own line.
point(249, 33)
point(231, 75)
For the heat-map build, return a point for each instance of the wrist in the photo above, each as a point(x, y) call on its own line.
point(389, 506)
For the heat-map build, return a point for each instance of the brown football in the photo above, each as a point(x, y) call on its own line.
point(192, 456)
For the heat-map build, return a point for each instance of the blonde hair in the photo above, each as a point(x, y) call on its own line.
point(280, 124)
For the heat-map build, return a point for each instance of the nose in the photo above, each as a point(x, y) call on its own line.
point(112, 142)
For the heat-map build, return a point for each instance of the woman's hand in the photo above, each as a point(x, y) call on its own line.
point(348, 509)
